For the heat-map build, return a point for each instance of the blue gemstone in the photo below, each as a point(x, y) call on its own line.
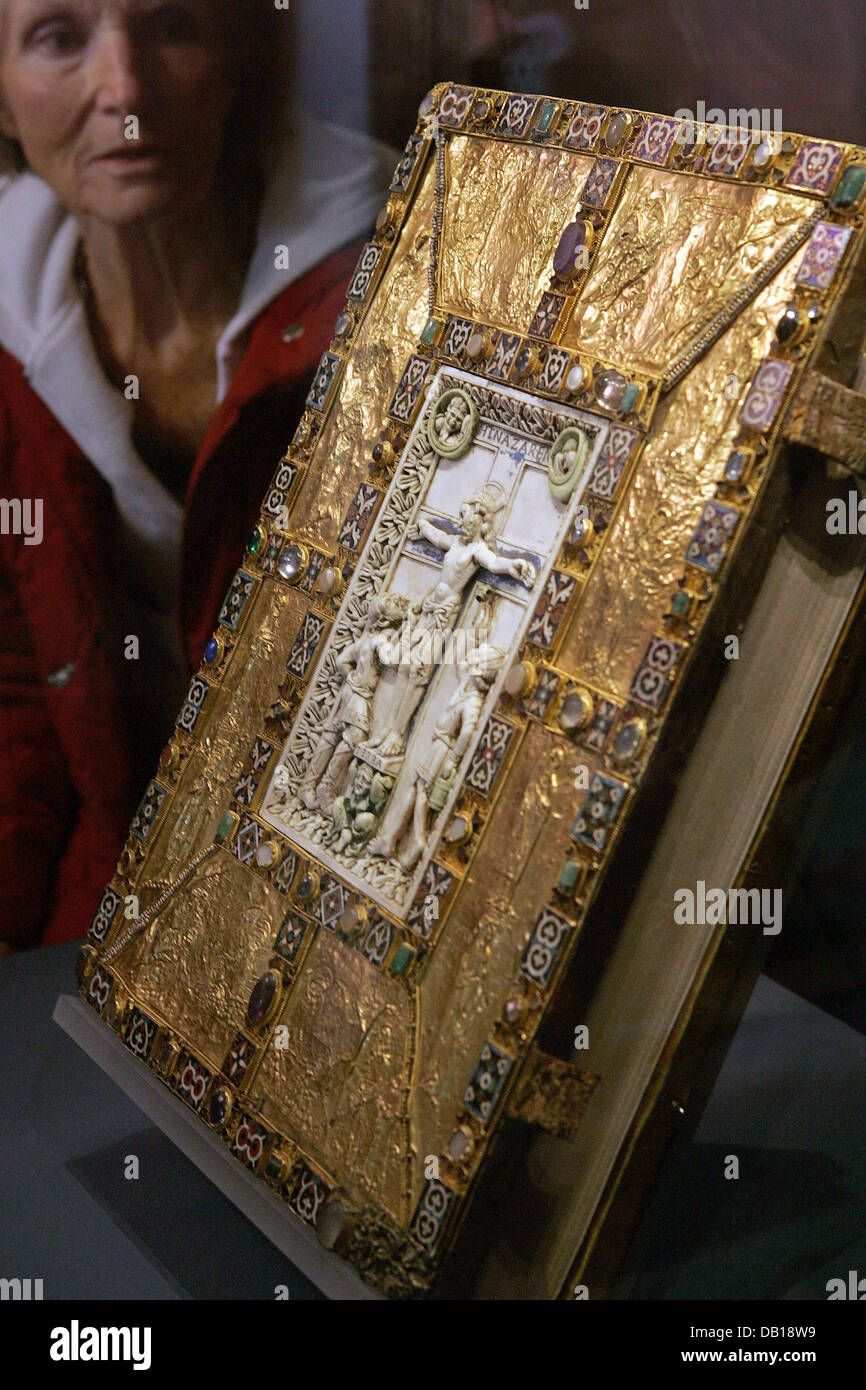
point(211, 651)
point(735, 466)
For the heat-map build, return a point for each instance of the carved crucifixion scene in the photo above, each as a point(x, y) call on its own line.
point(434, 615)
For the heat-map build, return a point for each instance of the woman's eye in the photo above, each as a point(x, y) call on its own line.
point(60, 35)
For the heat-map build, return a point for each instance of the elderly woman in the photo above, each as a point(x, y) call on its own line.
point(172, 258)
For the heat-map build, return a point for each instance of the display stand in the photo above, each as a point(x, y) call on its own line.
point(331, 1275)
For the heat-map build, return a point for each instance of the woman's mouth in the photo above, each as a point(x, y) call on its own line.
point(134, 156)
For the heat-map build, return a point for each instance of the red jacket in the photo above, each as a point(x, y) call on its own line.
point(77, 742)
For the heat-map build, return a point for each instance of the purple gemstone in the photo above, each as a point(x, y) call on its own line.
point(567, 253)
point(261, 999)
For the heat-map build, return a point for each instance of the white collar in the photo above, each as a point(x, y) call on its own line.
point(325, 190)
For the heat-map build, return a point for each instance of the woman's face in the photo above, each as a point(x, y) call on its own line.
point(119, 105)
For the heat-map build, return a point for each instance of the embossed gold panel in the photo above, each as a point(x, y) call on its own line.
point(544, 427)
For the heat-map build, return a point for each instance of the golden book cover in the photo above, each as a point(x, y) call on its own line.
point(401, 915)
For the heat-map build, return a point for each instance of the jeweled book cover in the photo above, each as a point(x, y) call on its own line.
point(533, 457)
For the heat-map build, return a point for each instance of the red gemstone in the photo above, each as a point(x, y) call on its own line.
point(261, 999)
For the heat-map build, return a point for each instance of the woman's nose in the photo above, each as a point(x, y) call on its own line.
point(117, 86)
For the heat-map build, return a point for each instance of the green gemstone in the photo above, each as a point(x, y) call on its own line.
point(431, 328)
point(545, 120)
point(681, 603)
point(630, 398)
point(256, 541)
point(225, 825)
point(569, 876)
point(849, 187)
point(402, 960)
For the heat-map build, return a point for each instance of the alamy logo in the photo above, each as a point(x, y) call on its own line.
point(76, 1343)
point(22, 516)
point(20, 1290)
point(740, 121)
point(713, 906)
point(846, 516)
point(855, 1288)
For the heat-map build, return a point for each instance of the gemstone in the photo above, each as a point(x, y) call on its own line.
point(681, 603)
point(481, 110)
point(526, 361)
point(382, 218)
point(475, 345)
point(616, 129)
point(569, 252)
point(265, 855)
point(574, 712)
point(763, 154)
point(630, 398)
point(307, 888)
point(735, 466)
point(849, 187)
point(513, 1008)
point(218, 1106)
point(627, 741)
point(431, 328)
point(276, 1167)
point(291, 562)
point(814, 313)
point(212, 651)
point(545, 119)
point(256, 541)
point(402, 959)
point(166, 1056)
point(342, 325)
point(568, 879)
point(352, 919)
point(459, 1145)
point(262, 999)
point(610, 388)
point(457, 831)
point(225, 825)
point(790, 325)
point(330, 1223)
point(574, 380)
point(427, 104)
point(517, 680)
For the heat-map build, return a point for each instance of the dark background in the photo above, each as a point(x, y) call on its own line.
point(369, 62)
